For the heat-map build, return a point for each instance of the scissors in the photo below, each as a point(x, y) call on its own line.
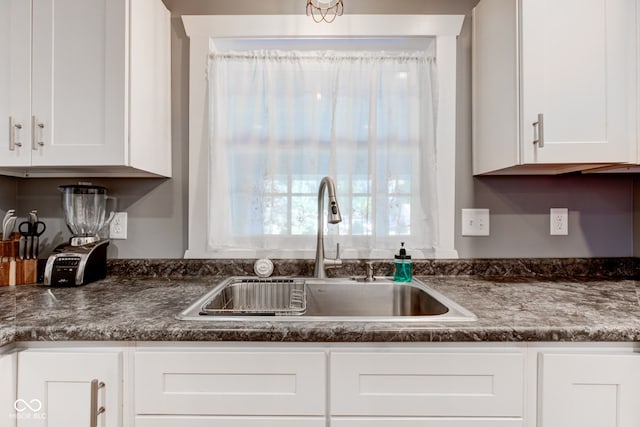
point(29, 242)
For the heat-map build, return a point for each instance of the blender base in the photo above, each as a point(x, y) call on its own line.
point(70, 265)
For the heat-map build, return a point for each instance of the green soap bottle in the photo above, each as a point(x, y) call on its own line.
point(403, 270)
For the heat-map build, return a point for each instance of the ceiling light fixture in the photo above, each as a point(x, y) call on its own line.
point(324, 10)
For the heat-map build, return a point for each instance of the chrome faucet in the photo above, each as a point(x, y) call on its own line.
point(333, 217)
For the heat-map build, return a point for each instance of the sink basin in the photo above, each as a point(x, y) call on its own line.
point(285, 298)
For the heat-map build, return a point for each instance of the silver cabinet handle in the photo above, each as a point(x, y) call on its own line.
point(95, 410)
point(14, 128)
point(538, 131)
point(37, 131)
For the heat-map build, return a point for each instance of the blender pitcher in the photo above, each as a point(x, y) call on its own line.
point(85, 211)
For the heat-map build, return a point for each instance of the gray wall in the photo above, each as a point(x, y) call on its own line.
point(8, 192)
point(601, 207)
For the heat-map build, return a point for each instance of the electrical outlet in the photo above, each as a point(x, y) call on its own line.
point(559, 221)
point(475, 222)
point(118, 226)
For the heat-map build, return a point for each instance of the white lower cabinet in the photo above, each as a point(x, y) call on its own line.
point(8, 376)
point(320, 385)
point(69, 389)
point(589, 390)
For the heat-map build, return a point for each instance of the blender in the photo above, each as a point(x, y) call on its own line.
point(84, 258)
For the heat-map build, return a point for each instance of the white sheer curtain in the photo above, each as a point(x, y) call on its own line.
point(281, 120)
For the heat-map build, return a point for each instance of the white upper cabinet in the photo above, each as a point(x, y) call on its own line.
point(15, 82)
point(88, 84)
point(554, 85)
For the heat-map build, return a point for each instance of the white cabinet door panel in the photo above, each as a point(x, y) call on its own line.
point(54, 388)
point(578, 69)
point(15, 82)
point(8, 374)
point(79, 82)
point(427, 384)
point(589, 390)
point(230, 383)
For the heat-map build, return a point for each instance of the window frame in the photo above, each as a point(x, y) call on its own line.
point(203, 30)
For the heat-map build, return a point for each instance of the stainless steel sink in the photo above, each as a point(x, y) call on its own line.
point(285, 298)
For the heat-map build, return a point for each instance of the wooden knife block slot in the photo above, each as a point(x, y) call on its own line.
point(5, 273)
point(26, 271)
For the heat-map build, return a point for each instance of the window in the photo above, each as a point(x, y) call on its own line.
point(281, 119)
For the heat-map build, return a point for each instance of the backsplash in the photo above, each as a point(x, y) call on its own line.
point(550, 268)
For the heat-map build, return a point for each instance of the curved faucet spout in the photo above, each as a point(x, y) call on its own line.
point(333, 217)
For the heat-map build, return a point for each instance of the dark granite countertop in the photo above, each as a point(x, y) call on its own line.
point(143, 309)
point(7, 315)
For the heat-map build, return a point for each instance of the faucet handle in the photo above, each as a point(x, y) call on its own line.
point(336, 262)
point(369, 277)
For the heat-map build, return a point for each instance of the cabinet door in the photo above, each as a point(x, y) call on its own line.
point(57, 389)
point(7, 390)
point(589, 390)
point(79, 82)
point(578, 70)
point(15, 82)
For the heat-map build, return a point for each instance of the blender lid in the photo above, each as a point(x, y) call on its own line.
point(83, 189)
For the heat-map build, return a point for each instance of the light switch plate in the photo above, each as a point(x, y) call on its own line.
point(475, 222)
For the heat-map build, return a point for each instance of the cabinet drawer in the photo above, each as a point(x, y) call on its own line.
point(230, 383)
point(184, 421)
point(427, 384)
point(426, 422)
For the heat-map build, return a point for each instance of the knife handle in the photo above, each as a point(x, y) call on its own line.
point(34, 249)
point(29, 247)
point(22, 248)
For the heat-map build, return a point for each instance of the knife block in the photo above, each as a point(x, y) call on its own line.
point(15, 271)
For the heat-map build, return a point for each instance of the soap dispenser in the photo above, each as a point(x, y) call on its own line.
point(403, 270)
